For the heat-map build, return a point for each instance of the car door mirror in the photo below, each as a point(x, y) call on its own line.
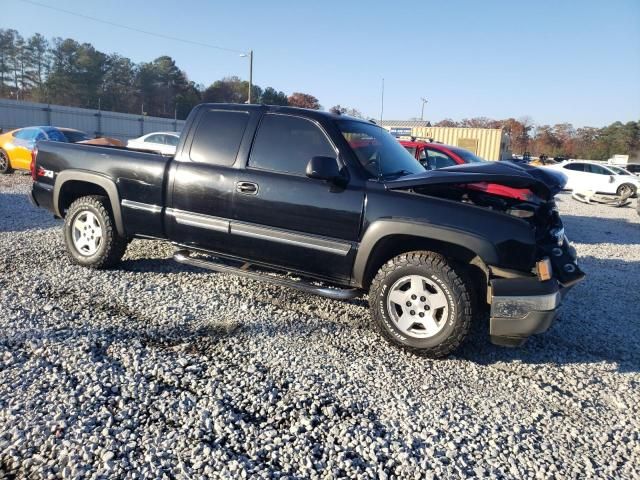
point(323, 168)
point(612, 179)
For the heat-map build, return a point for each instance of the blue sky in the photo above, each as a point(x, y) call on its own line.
point(551, 60)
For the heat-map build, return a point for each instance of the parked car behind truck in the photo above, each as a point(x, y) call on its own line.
point(329, 198)
point(18, 146)
point(160, 142)
point(585, 175)
point(433, 156)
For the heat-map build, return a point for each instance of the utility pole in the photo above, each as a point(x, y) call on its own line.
point(250, 55)
point(424, 100)
point(250, 73)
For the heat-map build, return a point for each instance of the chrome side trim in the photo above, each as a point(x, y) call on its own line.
point(147, 207)
point(249, 230)
point(198, 220)
point(282, 236)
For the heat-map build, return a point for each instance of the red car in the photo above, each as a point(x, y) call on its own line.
point(436, 155)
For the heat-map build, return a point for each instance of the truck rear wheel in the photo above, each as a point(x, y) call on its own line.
point(90, 235)
point(419, 302)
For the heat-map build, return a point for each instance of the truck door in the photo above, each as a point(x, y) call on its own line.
point(284, 218)
point(202, 180)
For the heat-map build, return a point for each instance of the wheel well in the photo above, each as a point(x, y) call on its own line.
point(394, 245)
point(73, 190)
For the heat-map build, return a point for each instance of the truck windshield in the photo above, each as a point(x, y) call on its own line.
point(379, 153)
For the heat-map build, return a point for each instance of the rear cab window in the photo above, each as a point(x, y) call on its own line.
point(218, 136)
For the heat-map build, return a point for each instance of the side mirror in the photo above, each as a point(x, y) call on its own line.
point(612, 179)
point(323, 168)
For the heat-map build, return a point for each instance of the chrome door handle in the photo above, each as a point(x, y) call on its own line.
point(248, 188)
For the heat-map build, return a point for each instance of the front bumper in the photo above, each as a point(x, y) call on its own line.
point(521, 307)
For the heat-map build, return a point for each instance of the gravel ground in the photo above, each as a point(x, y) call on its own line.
point(158, 370)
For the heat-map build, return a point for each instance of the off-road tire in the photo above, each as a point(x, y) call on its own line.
point(456, 290)
point(5, 163)
point(113, 245)
point(624, 186)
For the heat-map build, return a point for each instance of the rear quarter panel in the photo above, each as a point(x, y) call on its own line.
point(139, 179)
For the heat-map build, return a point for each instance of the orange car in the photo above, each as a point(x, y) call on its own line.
point(17, 146)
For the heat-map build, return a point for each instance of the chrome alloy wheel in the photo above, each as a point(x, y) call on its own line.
point(4, 161)
point(418, 306)
point(624, 190)
point(87, 233)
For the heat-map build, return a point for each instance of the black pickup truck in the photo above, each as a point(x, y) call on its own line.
point(331, 205)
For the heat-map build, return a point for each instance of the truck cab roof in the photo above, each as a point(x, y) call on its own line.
point(305, 112)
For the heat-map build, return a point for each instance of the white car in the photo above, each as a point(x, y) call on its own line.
point(585, 175)
point(161, 142)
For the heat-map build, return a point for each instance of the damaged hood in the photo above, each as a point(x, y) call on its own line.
point(543, 182)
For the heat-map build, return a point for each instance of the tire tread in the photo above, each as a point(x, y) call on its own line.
point(459, 289)
point(116, 245)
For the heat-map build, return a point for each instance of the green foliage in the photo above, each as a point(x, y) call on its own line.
point(562, 139)
point(231, 90)
point(271, 96)
point(352, 112)
point(304, 100)
point(66, 72)
point(76, 74)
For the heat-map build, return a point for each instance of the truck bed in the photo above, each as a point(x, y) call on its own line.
point(140, 180)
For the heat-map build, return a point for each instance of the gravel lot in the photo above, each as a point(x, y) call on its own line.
point(158, 370)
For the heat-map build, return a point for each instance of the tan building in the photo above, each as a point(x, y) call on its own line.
point(488, 143)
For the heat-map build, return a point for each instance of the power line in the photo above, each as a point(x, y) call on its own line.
point(133, 29)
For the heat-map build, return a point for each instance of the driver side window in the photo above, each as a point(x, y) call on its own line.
point(286, 144)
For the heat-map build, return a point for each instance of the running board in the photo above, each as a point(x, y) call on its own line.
point(184, 256)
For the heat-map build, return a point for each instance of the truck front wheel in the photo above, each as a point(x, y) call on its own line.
point(419, 302)
point(90, 235)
